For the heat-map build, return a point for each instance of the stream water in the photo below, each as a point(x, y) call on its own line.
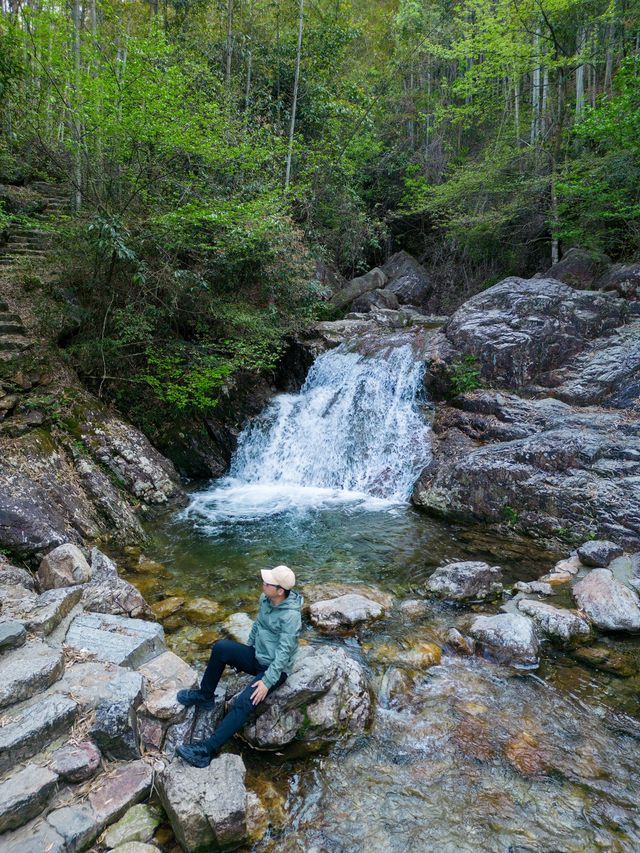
point(467, 756)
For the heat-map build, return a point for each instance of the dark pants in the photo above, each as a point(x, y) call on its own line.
point(229, 653)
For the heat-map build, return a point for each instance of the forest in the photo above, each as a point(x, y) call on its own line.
point(227, 160)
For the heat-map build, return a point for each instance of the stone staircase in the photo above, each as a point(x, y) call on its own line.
point(35, 241)
point(13, 338)
point(48, 698)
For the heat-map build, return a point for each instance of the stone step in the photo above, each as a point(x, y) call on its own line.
point(29, 727)
point(29, 232)
point(28, 670)
point(8, 317)
point(25, 794)
point(13, 343)
point(76, 826)
point(27, 243)
point(24, 250)
point(13, 634)
point(11, 328)
point(124, 641)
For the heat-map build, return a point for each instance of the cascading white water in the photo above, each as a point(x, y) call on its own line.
point(355, 429)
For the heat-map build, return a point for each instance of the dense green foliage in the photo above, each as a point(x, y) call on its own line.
point(484, 136)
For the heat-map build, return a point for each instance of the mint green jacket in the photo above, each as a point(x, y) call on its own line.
point(274, 635)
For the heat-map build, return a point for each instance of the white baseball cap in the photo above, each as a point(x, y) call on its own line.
point(280, 576)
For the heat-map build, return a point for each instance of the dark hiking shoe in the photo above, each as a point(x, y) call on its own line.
point(196, 756)
point(197, 698)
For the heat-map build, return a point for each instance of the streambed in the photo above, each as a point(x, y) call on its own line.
point(463, 756)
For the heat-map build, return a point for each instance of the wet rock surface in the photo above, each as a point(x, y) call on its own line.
point(469, 581)
point(344, 612)
point(608, 603)
point(507, 637)
point(556, 623)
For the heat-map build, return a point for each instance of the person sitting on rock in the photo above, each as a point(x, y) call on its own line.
point(268, 654)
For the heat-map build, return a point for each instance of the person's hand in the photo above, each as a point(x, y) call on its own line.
point(259, 693)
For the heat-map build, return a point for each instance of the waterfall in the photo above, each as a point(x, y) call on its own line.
point(355, 429)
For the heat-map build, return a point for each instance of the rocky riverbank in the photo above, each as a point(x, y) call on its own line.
point(90, 720)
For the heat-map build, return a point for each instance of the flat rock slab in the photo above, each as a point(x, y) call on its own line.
point(163, 677)
point(76, 763)
point(29, 727)
point(24, 795)
point(50, 608)
point(124, 641)
point(97, 682)
point(556, 623)
point(35, 837)
point(12, 635)
point(207, 808)
point(344, 612)
point(467, 581)
point(598, 553)
point(508, 637)
point(77, 824)
point(609, 604)
point(127, 785)
point(28, 670)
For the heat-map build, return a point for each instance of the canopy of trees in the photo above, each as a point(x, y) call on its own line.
point(216, 150)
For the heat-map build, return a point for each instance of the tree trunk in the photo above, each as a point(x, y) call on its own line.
point(580, 42)
point(229, 51)
point(295, 96)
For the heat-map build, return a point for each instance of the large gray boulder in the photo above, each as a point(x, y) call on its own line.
point(375, 279)
point(408, 280)
point(375, 299)
point(467, 581)
point(622, 279)
point(126, 642)
point(556, 623)
point(344, 612)
point(609, 604)
point(207, 808)
point(537, 465)
point(508, 638)
point(325, 697)
point(520, 328)
point(66, 565)
point(598, 553)
point(578, 268)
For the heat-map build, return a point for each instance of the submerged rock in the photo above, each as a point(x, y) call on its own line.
point(536, 587)
point(507, 637)
point(468, 581)
point(609, 604)
point(344, 612)
point(325, 697)
point(598, 553)
point(556, 623)
point(207, 807)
